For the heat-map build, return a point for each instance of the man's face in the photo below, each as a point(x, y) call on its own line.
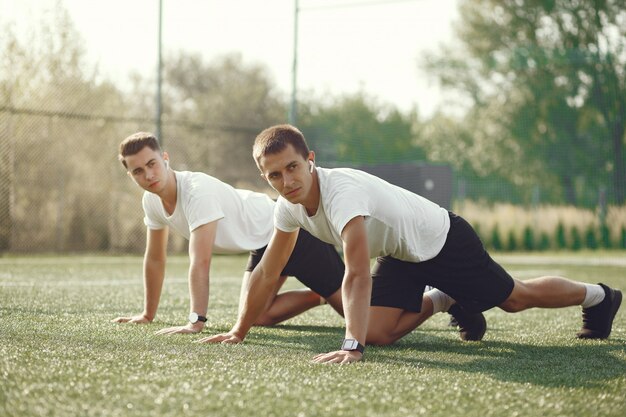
point(288, 172)
point(147, 168)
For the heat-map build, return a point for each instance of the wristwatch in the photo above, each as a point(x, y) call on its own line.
point(352, 344)
point(194, 318)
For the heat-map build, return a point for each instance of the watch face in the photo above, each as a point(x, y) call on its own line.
point(193, 317)
point(350, 344)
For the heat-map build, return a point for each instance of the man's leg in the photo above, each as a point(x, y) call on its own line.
point(600, 303)
point(546, 292)
point(285, 305)
point(389, 324)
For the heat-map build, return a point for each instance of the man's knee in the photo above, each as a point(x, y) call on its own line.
point(266, 320)
point(511, 305)
point(379, 338)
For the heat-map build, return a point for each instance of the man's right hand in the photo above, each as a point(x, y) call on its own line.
point(138, 319)
point(230, 338)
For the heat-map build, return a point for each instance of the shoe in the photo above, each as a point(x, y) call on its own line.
point(472, 326)
point(452, 322)
point(598, 320)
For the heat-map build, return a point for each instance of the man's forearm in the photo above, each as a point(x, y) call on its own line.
point(154, 273)
point(356, 294)
point(252, 302)
point(199, 288)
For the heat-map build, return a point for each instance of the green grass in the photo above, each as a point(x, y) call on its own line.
point(60, 355)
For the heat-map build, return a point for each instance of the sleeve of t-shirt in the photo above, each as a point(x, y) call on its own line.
point(202, 209)
point(151, 217)
point(347, 201)
point(283, 218)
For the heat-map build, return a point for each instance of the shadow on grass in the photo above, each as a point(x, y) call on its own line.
point(580, 364)
point(585, 364)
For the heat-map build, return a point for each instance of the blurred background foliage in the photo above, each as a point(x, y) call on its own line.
point(538, 124)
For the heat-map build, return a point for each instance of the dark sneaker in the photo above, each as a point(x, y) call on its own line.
point(452, 322)
point(472, 326)
point(598, 320)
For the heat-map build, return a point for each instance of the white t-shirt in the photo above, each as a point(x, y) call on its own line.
point(245, 217)
point(399, 223)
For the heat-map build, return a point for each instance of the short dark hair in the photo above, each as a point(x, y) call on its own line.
point(276, 138)
point(135, 143)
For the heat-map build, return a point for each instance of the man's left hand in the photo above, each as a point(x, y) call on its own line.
point(338, 356)
point(188, 329)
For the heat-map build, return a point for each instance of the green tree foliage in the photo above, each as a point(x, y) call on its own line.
point(53, 178)
point(355, 129)
point(546, 83)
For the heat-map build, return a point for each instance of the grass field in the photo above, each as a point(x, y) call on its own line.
point(60, 355)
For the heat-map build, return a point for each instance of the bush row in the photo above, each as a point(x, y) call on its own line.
point(572, 238)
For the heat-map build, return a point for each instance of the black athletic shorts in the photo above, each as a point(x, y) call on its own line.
point(463, 269)
point(314, 263)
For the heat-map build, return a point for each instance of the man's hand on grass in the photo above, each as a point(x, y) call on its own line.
point(187, 329)
point(338, 356)
point(228, 338)
point(138, 319)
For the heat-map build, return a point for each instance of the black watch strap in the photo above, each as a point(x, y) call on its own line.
point(352, 344)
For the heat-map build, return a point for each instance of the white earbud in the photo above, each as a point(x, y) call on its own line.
point(312, 166)
point(167, 164)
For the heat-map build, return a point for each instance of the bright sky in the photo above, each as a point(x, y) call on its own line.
point(373, 45)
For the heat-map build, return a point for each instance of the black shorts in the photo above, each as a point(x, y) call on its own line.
point(463, 269)
point(314, 263)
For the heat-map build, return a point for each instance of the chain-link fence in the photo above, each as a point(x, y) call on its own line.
point(62, 188)
point(526, 176)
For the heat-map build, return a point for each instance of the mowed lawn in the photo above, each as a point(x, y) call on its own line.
point(61, 356)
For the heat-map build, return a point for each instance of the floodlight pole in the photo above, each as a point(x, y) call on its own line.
point(293, 110)
point(159, 107)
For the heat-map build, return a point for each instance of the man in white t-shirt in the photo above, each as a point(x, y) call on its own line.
point(417, 243)
point(217, 218)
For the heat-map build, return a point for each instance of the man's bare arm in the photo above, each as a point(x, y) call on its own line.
point(260, 287)
point(356, 290)
point(200, 254)
point(153, 276)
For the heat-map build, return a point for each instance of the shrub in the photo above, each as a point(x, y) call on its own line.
point(544, 241)
point(512, 242)
point(496, 242)
point(577, 243)
point(529, 238)
point(591, 241)
point(561, 241)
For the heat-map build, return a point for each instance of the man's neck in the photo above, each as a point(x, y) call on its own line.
point(169, 194)
point(313, 200)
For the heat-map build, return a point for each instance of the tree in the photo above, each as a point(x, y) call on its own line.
point(554, 73)
point(221, 105)
point(58, 174)
point(355, 129)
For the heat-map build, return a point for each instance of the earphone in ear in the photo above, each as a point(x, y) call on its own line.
point(167, 164)
point(312, 166)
